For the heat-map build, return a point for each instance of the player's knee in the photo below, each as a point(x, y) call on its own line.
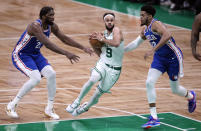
point(51, 74)
point(93, 79)
point(36, 80)
point(149, 83)
point(35, 77)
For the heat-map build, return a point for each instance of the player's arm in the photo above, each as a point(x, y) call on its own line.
point(34, 29)
point(195, 36)
point(67, 40)
point(117, 38)
point(159, 28)
point(135, 43)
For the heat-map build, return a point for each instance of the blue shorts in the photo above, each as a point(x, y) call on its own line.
point(29, 62)
point(171, 65)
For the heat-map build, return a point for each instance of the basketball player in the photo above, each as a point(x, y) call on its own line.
point(28, 59)
point(167, 58)
point(107, 69)
point(196, 29)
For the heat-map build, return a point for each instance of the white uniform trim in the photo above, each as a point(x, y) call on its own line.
point(179, 56)
point(17, 59)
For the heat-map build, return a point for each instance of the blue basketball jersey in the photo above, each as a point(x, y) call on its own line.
point(170, 49)
point(26, 55)
point(29, 44)
point(167, 58)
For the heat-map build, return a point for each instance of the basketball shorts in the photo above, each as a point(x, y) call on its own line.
point(27, 63)
point(109, 76)
point(172, 65)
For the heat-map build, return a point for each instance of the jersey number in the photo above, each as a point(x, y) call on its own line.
point(38, 45)
point(153, 43)
point(108, 52)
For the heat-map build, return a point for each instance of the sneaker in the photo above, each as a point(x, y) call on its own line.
point(72, 106)
point(51, 114)
point(151, 123)
point(192, 103)
point(11, 110)
point(81, 109)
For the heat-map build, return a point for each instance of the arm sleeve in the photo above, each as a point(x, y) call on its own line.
point(134, 44)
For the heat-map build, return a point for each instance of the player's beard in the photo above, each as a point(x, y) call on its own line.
point(49, 22)
point(109, 29)
point(145, 23)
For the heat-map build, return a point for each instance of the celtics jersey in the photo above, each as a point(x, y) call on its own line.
point(112, 55)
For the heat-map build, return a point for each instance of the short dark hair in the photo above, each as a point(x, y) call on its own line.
point(45, 10)
point(149, 9)
point(108, 13)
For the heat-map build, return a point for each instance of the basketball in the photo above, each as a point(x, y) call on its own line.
point(95, 43)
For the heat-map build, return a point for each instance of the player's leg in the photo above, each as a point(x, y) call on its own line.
point(95, 77)
point(174, 74)
point(157, 68)
point(48, 72)
point(106, 83)
point(26, 65)
point(152, 77)
point(50, 75)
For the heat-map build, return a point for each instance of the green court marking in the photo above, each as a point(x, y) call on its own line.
point(182, 19)
point(169, 122)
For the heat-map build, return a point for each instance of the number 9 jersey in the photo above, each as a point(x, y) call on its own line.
point(110, 54)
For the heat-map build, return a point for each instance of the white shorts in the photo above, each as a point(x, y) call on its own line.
point(109, 75)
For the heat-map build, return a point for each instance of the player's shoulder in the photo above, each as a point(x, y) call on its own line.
point(34, 24)
point(117, 29)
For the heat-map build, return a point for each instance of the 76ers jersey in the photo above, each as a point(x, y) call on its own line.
point(26, 55)
point(30, 44)
point(167, 50)
point(167, 57)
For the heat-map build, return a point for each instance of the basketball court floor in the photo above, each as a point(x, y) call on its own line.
point(126, 108)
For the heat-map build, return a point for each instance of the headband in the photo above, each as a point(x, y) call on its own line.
point(107, 15)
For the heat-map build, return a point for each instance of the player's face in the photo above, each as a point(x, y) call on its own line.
point(109, 22)
point(49, 17)
point(144, 18)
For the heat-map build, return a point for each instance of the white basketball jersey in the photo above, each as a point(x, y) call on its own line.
point(112, 55)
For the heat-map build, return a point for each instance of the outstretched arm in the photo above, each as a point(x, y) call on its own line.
point(195, 36)
point(135, 43)
point(34, 29)
point(67, 40)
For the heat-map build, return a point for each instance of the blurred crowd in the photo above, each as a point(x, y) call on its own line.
point(175, 5)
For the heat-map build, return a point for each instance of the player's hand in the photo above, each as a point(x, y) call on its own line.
point(72, 57)
point(97, 35)
point(93, 35)
point(149, 53)
point(100, 37)
point(88, 50)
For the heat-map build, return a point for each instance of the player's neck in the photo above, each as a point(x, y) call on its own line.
point(109, 32)
point(44, 25)
point(149, 21)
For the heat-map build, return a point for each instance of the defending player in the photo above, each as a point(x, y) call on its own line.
point(167, 58)
point(107, 69)
point(27, 58)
